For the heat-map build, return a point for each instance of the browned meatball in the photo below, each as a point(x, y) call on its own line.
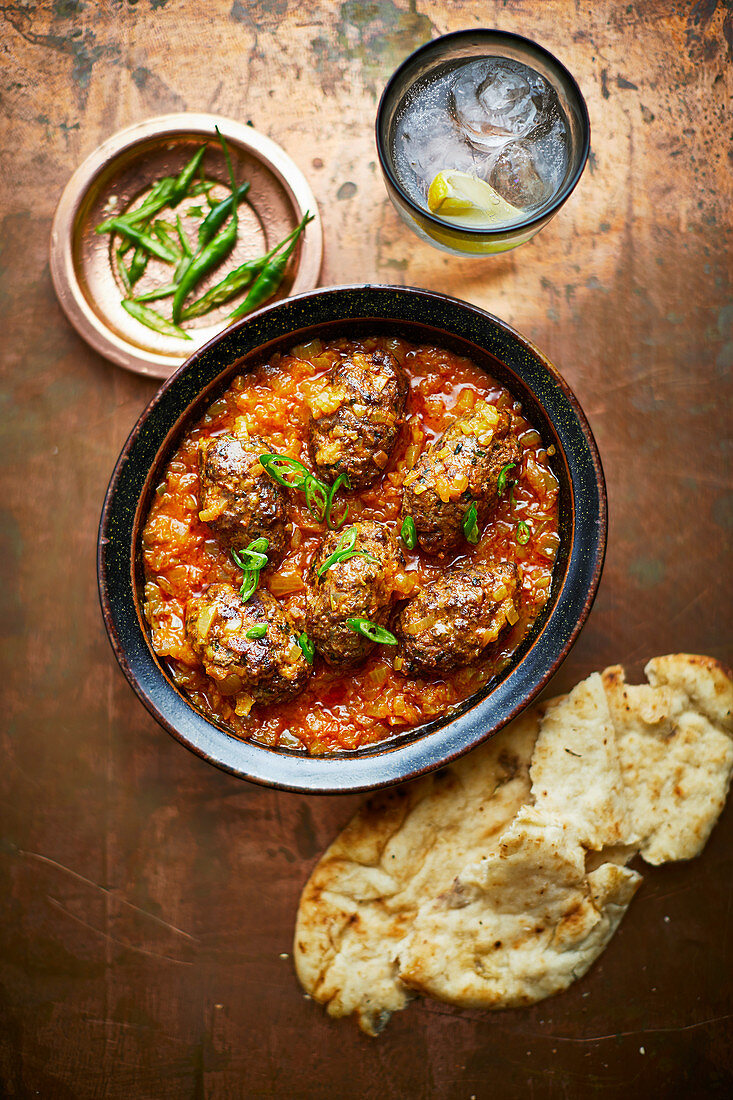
point(461, 467)
point(239, 501)
point(451, 623)
point(356, 418)
point(357, 587)
point(268, 669)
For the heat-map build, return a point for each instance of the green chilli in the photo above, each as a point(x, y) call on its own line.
point(333, 525)
point(251, 561)
point(408, 533)
point(159, 292)
point(292, 474)
point(144, 240)
point(158, 198)
point(345, 550)
point(372, 631)
point(269, 279)
point(182, 184)
point(257, 631)
point(218, 214)
point(122, 270)
point(185, 245)
point(138, 264)
point(523, 533)
point(232, 284)
point(470, 524)
point(212, 253)
point(153, 320)
point(501, 480)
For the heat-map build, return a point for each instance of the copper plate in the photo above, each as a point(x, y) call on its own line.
point(121, 170)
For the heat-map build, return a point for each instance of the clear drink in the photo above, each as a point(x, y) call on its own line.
point(481, 135)
point(495, 121)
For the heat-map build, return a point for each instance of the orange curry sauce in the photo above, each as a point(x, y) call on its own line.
point(343, 710)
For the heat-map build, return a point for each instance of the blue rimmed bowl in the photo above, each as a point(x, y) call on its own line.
point(421, 317)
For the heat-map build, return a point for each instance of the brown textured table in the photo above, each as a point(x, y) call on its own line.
point(147, 899)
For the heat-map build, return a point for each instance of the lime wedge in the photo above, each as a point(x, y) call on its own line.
point(463, 199)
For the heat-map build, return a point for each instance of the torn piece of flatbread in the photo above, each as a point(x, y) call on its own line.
point(521, 924)
point(676, 756)
point(706, 683)
point(482, 889)
point(404, 847)
point(575, 768)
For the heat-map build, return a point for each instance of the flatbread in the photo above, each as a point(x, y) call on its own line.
point(676, 758)
point(575, 768)
point(497, 881)
point(706, 683)
point(402, 847)
point(519, 925)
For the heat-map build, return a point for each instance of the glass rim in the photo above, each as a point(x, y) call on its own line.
point(476, 232)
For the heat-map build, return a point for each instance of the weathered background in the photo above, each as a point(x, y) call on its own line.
point(148, 900)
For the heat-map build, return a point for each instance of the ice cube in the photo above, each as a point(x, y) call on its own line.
point(430, 143)
point(518, 176)
point(492, 101)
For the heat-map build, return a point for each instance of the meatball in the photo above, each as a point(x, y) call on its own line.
point(451, 623)
point(239, 501)
point(357, 587)
point(460, 468)
point(357, 416)
point(268, 669)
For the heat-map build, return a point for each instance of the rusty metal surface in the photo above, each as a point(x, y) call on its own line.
point(148, 901)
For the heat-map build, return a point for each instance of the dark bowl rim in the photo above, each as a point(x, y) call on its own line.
point(388, 763)
point(543, 215)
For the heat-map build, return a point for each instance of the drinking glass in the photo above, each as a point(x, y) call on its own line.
point(418, 72)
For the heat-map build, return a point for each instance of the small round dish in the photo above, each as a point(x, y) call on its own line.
point(420, 317)
point(124, 167)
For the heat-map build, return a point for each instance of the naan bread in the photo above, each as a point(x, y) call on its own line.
point(519, 925)
point(705, 682)
point(493, 883)
point(676, 756)
point(575, 767)
point(403, 847)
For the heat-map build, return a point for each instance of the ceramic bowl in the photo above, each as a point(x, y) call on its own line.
point(419, 316)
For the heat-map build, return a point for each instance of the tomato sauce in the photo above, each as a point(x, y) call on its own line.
point(344, 710)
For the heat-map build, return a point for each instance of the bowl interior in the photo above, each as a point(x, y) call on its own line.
point(419, 317)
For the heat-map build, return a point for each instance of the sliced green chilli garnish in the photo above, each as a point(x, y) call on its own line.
point(257, 631)
point(319, 497)
point(316, 496)
point(344, 550)
point(251, 561)
point(249, 584)
point(254, 557)
point(292, 474)
point(523, 532)
point(284, 470)
point(331, 523)
point(408, 532)
point(306, 645)
point(470, 524)
point(372, 631)
point(501, 481)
